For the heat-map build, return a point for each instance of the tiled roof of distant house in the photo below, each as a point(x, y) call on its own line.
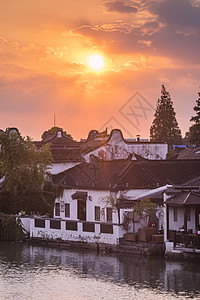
point(62, 155)
point(57, 140)
point(127, 174)
point(98, 174)
point(94, 140)
point(193, 182)
point(152, 174)
point(189, 153)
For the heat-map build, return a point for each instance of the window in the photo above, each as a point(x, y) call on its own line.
point(97, 213)
point(71, 225)
point(67, 210)
point(106, 228)
point(57, 209)
point(109, 214)
point(175, 214)
point(40, 223)
point(89, 227)
point(54, 224)
point(62, 206)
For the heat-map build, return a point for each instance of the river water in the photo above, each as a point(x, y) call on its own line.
point(32, 272)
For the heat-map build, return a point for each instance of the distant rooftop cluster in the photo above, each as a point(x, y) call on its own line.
point(103, 145)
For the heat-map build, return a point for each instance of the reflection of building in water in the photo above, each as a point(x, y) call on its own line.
point(154, 272)
point(175, 281)
point(82, 262)
point(148, 273)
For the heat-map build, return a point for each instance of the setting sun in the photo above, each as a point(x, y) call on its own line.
point(96, 62)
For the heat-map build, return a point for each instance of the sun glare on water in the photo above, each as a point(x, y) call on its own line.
point(96, 62)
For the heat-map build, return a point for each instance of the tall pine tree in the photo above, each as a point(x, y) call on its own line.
point(194, 130)
point(165, 126)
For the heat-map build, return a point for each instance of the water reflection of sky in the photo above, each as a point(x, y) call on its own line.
point(30, 272)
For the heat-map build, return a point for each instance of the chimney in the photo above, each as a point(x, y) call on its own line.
point(138, 138)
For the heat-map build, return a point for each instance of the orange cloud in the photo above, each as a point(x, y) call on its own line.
point(43, 61)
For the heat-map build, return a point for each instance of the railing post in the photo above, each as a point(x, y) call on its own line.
point(174, 239)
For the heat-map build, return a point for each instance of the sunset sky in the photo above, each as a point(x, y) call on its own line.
point(45, 47)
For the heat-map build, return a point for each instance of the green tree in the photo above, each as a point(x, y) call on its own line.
point(10, 228)
point(144, 208)
point(53, 130)
point(24, 173)
point(194, 130)
point(165, 126)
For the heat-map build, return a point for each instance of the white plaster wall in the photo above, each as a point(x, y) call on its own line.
point(96, 200)
point(73, 205)
point(79, 235)
point(123, 150)
point(191, 224)
point(180, 219)
point(117, 148)
point(25, 223)
point(169, 247)
point(150, 151)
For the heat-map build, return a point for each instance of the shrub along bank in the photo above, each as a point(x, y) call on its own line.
point(11, 229)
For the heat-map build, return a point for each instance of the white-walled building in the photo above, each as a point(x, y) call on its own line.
point(182, 217)
point(116, 147)
point(84, 214)
point(67, 152)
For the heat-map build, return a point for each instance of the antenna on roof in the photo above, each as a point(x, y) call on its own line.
point(54, 120)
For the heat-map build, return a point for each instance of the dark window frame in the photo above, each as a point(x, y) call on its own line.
point(88, 227)
point(67, 211)
point(97, 213)
point(109, 217)
point(106, 228)
point(55, 224)
point(175, 211)
point(40, 223)
point(57, 209)
point(71, 225)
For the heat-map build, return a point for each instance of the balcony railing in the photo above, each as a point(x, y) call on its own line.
point(186, 240)
point(71, 225)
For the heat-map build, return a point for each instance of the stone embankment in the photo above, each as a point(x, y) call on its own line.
point(139, 248)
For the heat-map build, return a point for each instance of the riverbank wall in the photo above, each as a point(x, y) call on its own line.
point(140, 249)
point(180, 252)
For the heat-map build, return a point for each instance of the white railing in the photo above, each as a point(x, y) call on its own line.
point(70, 230)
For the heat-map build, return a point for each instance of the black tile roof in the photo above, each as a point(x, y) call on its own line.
point(126, 174)
point(55, 141)
point(189, 153)
point(63, 155)
point(95, 140)
point(98, 175)
point(185, 198)
point(152, 174)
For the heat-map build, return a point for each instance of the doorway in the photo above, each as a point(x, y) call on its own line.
point(81, 210)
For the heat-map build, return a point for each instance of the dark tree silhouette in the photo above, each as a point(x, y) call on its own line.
point(53, 130)
point(24, 170)
point(165, 126)
point(194, 130)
